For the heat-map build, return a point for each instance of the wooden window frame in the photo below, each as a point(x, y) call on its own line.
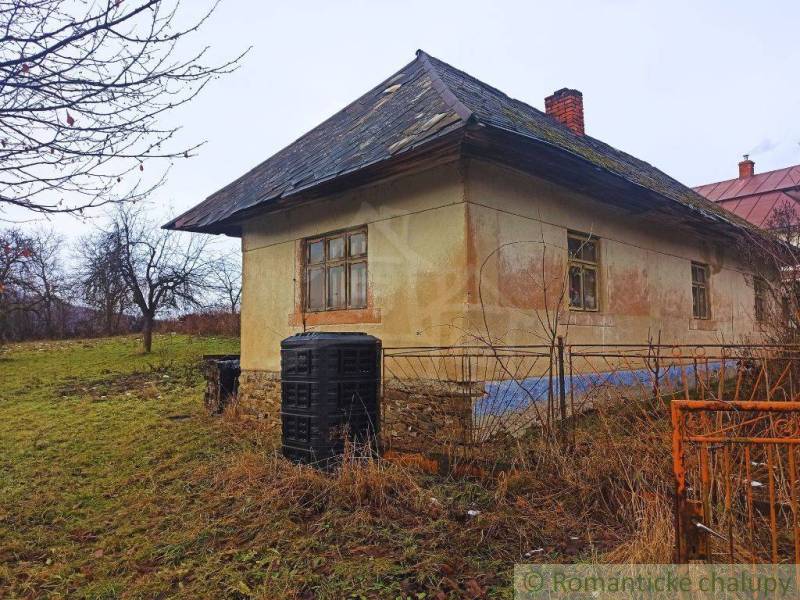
point(760, 297)
point(705, 286)
point(584, 265)
point(346, 261)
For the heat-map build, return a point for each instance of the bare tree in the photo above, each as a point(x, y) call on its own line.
point(160, 271)
point(47, 287)
point(228, 281)
point(83, 88)
point(549, 323)
point(15, 252)
point(774, 260)
point(100, 281)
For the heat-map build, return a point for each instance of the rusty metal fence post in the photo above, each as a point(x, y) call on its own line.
point(657, 370)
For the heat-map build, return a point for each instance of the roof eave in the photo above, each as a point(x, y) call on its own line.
point(560, 171)
point(443, 147)
point(212, 229)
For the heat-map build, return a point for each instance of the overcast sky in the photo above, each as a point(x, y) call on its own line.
point(688, 86)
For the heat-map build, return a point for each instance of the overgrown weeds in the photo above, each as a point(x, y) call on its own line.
point(606, 496)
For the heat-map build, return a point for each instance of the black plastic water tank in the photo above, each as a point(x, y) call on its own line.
point(329, 394)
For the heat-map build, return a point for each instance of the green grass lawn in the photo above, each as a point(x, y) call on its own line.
point(114, 483)
point(96, 444)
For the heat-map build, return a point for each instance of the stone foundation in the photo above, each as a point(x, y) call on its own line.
point(426, 416)
point(437, 417)
point(260, 396)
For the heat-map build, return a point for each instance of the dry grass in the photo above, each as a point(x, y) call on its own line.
point(606, 497)
point(611, 483)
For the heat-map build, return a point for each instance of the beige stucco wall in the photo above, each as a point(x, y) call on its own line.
point(430, 232)
point(416, 264)
point(645, 267)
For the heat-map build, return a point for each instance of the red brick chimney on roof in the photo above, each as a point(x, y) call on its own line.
point(566, 106)
point(747, 167)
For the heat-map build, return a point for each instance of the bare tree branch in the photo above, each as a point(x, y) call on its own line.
point(227, 281)
point(15, 253)
point(101, 285)
point(83, 89)
point(774, 259)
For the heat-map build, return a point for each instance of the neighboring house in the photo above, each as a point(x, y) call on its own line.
point(435, 207)
point(769, 200)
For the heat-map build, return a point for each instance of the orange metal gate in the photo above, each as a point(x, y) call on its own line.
point(736, 479)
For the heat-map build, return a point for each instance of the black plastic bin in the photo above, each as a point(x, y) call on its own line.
point(330, 385)
point(222, 380)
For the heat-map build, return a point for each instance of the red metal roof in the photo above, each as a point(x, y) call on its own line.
point(755, 198)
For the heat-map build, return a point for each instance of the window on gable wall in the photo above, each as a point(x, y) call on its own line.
point(336, 271)
point(701, 307)
point(584, 256)
point(761, 290)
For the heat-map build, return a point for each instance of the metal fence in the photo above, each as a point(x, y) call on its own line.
point(735, 466)
point(734, 410)
point(706, 372)
point(455, 400)
point(476, 401)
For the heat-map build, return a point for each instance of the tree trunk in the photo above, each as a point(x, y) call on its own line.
point(108, 326)
point(115, 323)
point(147, 332)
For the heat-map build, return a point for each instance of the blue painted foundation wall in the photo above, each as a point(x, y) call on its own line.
point(500, 397)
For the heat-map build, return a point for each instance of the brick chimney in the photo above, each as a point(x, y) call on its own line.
point(566, 106)
point(747, 168)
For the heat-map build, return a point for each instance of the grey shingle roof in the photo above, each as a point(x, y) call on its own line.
point(424, 101)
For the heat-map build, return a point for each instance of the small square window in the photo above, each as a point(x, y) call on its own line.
point(336, 248)
point(574, 245)
point(699, 274)
point(316, 252)
point(582, 248)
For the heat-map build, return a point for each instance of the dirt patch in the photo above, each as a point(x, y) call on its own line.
point(148, 385)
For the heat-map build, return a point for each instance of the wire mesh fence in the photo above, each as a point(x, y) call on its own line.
point(731, 372)
point(477, 401)
point(454, 400)
point(734, 410)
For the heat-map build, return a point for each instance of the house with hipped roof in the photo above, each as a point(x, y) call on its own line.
point(437, 210)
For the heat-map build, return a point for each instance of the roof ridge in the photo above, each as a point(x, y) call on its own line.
point(488, 86)
point(586, 138)
point(447, 95)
